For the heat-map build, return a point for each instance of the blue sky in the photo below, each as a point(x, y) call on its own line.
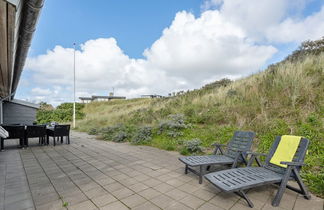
point(135, 24)
point(161, 46)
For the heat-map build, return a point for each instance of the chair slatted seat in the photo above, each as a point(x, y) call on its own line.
point(235, 153)
point(208, 160)
point(242, 178)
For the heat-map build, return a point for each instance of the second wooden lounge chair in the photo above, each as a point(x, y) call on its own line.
point(236, 153)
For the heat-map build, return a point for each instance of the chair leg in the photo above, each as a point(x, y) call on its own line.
point(282, 187)
point(54, 140)
point(61, 139)
point(26, 142)
point(47, 140)
point(201, 173)
point(186, 169)
point(68, 139)
point(301, 185)
point(2, 144)
point(21, 143)
point(243, 195)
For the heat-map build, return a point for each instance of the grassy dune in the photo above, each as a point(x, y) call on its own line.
point(286, 98)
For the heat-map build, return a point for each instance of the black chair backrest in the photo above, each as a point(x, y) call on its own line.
point(35, 131)
point(62, 130)
point(15, 131)
point(242, 141)
point(298, 157)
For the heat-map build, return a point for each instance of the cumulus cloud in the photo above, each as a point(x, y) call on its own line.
point(298, 29)
point(233, 40)
point(198, 48)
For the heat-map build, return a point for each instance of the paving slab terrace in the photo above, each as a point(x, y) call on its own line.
point(94, 174)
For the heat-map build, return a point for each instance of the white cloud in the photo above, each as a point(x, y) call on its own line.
point(210, 4)
point(40, 91)
point(233, 40)
point(198, 48)
point(297, 30)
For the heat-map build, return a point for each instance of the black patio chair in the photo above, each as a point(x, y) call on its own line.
point(236, 153)
point(239, 180)
point(36, 131)
point(59, 131)
point(15, 132)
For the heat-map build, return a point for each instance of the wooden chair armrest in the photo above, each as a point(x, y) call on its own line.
point(256, 153)
point(292, 163)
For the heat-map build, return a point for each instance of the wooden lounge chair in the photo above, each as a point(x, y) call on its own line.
point(235, 153)
point(239, 180)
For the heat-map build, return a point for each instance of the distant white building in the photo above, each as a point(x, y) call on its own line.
point(151, 96)
point(86, 100)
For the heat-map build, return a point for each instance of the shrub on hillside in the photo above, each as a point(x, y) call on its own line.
point(309, 47)
point(143, 135)
point(217, 84)
point(191, 146)
point(175, 122)
point(93, 131)
point(110, 132)
point(62, 113)
point(175, 134)
point(120, 137)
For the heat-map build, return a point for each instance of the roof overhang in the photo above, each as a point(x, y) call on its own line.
point(18, 20)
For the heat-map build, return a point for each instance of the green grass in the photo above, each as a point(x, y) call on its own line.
point(287, 98)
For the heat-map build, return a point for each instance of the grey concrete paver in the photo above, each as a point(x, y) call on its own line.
point(192, 201)
point(133, 201)
point(225, 201)
point(115, 206)
point(86, 205)
point(53, 205)
point(147, 206)
point(149, 193)
point(177, 206)
point(177, 194)
point(91, 174)
point(103, 200)
point(209, 206)
point(163, 201)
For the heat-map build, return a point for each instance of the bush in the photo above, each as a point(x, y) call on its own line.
point(62, 113)
point(175, 122)
point(217, 84)
point(120, 137)
point(174, 134)
point(193, 146)
point(143, 135)
point(110, 132)
point(93, 131)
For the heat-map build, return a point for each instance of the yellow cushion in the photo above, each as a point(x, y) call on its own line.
point(286, 150)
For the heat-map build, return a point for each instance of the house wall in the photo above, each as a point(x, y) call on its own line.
point(1, 115)
point(18, 114)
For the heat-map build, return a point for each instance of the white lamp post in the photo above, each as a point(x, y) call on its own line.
point(74, 86)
